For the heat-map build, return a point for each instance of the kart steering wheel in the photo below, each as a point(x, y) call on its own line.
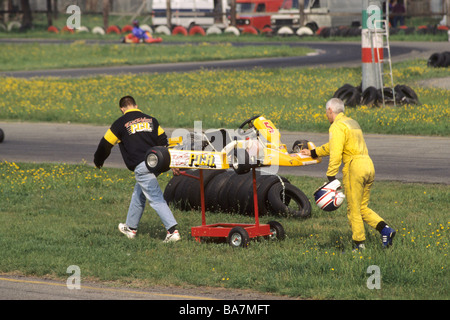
point(249, 122)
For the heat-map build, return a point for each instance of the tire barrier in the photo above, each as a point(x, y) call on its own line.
point(226, 191)
point(197, 30)
point(372, 97)
point(98, 30)
point(439, 60)
point(67, 29)
point(180, 30)
point(113, 29)
point(310, 29)
point(127, 28)
point(249, 30)
point(53, 29)
point(349, 94)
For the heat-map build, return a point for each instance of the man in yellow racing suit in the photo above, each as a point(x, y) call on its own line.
point(346, 144)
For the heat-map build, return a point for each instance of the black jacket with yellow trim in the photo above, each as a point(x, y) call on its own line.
point(135, 132)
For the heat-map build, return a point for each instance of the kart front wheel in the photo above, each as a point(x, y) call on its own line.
point(299, 145)
point(157, 159)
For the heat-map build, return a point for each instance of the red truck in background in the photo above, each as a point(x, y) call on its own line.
point(254, 12)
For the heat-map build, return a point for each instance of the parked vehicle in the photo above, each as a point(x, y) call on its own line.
point(188, 13)
point(321, 13)
point(256, 13)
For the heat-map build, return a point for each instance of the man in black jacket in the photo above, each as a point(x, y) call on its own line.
point(136, 133)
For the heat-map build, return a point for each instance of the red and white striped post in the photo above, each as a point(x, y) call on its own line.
point(371, 48)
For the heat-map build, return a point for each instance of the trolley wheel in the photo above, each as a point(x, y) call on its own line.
point(157, 159)
point(238, 237)
point(277, 230)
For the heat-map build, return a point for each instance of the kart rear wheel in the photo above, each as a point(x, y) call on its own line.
point(157, 159)
point(241, 161)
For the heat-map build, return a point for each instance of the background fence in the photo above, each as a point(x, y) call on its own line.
point(24, 9)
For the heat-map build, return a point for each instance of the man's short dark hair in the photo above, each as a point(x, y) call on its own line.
point(127, 101)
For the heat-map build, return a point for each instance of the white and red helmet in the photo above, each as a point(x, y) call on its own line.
point(329, 197)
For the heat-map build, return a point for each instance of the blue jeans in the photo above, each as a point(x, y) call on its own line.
point(147, 188)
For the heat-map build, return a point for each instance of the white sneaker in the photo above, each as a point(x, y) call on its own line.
point(172, 237)
point(127, 231)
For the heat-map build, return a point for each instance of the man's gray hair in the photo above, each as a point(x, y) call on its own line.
point(336, 105)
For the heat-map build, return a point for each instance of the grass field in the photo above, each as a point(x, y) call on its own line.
point(54, 216)
point(51, 56)
point(293, 99)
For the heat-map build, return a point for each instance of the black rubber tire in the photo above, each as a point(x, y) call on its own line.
point(243, 161)
point(233, 191)
point(388, 95)
point(277, 230)
point(246, 197)
point(369, 97)
point(161, 156)
point(214, 190)
point(436, 60)
point(226, 203)
point(193, 193)
point(242, 198)
point(292, 193)
point(406, 95)
point(446, 62)
point(350, 95)
point(263, 186)
point(342, 89)
point(169, 191)
point(180, 198)
point(238, 238)
point(299, 145)
point(2, 135)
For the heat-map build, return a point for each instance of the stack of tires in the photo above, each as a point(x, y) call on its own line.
point(226, 191)
point(439, 60)
point(372, 97)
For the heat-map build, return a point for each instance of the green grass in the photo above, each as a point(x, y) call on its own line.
point(293, 99)
point(52, 56)
point(54, 216)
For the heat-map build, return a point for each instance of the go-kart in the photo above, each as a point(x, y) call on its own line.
point(130, 38)
point(259, 145)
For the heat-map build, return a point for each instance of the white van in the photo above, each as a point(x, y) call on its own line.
point(324, 13)
point(187, 13)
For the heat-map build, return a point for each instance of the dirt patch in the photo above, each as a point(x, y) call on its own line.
point(442, 83)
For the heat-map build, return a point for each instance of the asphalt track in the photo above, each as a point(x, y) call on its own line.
point(13, 287)
point(327, 54)
point(396, 158)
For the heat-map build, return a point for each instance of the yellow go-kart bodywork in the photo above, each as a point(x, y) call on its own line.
point(259, 146)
